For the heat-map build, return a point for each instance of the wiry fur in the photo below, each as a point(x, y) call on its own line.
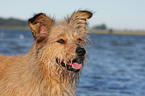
point(36, 73)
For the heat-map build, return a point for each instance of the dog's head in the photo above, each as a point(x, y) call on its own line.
point(61, 43)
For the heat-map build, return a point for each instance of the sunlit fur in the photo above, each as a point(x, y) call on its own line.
point(36, 73)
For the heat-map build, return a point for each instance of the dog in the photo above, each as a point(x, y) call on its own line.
point(54, 62)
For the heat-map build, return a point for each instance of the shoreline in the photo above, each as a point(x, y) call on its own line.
point(117, 32)
point(25, 28)
point(114, 32)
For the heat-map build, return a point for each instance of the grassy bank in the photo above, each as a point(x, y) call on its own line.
point(140, 33)
point(14, 28)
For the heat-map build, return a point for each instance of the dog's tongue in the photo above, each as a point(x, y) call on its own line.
point(76, 65)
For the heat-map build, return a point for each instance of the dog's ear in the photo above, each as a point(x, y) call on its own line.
point(40, 25)
point(78, 20)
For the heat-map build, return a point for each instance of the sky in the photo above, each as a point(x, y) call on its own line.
point(116, 14)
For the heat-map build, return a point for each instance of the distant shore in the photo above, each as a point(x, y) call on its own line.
point(17, 24)
point(14, 28)
point(116, 32)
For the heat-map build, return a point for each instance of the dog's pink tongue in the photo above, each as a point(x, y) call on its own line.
point(76, 66)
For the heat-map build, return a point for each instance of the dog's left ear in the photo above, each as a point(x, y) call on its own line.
point(78, 20)
point(40, 25)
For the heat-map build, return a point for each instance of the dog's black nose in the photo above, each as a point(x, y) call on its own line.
point(80, 51)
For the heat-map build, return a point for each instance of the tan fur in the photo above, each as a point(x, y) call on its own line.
point(36, 73)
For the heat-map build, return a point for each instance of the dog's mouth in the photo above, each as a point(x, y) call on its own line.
point(72, 65)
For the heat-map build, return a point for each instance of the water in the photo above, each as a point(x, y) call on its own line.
point(115, 65)
point(14, 42)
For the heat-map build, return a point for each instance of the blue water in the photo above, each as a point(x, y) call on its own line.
point(115, 65)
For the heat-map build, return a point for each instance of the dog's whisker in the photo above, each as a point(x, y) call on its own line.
point(65, 64)
point(58, 69)
point(73, 76)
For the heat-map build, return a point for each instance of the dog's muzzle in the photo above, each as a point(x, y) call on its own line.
point(72, 65)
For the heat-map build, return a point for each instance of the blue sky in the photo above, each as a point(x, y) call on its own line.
point(116, 14)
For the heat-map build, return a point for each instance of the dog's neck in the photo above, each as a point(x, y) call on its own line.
point(50, 77)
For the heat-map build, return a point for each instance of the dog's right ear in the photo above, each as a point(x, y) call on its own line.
point(40, 25)
point(78, 20)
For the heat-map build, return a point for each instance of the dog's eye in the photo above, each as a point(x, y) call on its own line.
point(79, 39)
point(61, 41)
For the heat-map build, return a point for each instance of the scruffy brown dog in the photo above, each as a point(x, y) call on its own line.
point(52, 65)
